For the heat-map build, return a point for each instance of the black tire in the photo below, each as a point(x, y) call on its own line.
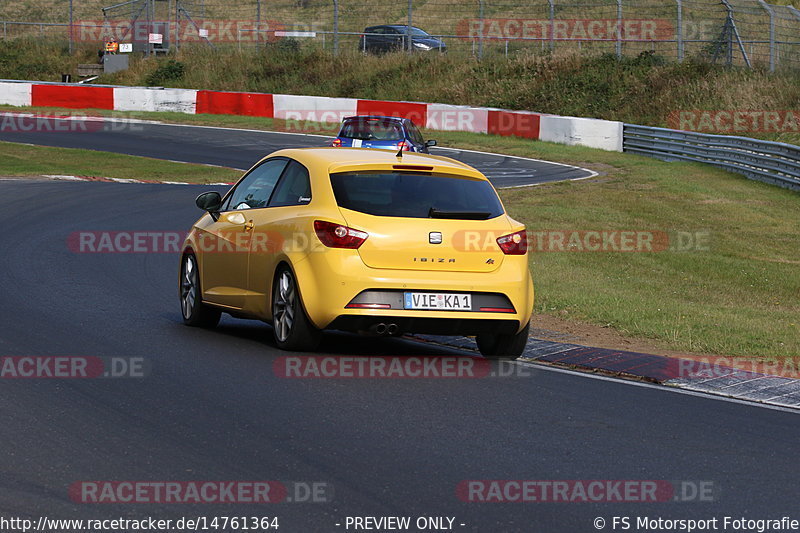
point(292, 329)
point(496, 346)
point(194, 311)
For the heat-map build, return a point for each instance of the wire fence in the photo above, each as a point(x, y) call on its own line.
point(735, 32)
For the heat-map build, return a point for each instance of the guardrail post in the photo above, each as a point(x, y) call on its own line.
point(772, 54)
point(335, 27)
point(552, 23)
point(680, 30)
point(619, 29)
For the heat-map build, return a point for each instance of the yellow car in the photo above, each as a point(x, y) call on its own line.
point(360, 240)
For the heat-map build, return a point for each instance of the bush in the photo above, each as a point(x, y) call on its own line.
point(170, 71)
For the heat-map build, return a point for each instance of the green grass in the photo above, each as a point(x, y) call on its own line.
point(738, 297)
point(24, 160)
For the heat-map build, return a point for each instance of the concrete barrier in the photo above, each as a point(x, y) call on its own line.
point(12, 93)
point(155, 99)
point(594, 133)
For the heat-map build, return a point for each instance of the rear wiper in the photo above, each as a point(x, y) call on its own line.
point(462, 215)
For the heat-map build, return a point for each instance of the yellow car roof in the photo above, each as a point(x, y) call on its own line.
point(360, 159)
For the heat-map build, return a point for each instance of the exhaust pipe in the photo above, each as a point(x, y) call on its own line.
point(380, 329)
point(392, 329)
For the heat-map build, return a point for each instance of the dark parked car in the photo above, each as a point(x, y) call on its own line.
point(390, 38)
point(387, 133)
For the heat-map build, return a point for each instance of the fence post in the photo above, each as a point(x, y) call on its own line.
point(552, 23)
point(335, 27)
point(680, 31)
point(71, 21)
point(258, 24)
point(734, 34)
point(410, 22)
point(772, 54)
point(619, 29)
point(149, 29)
point(480, 38)
point(168, 30)
point(177, 26)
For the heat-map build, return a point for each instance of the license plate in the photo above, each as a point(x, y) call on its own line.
point(438, 301)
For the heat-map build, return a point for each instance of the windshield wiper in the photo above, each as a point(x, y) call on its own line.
point(461, 215)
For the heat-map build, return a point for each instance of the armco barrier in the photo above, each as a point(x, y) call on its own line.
point(567, 130)
point(770, 162)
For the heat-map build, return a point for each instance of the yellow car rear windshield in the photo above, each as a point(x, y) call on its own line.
point(416, 195)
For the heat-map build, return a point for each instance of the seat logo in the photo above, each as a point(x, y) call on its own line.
point(435, 237)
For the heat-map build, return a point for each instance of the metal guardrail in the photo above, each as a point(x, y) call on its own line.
point(771, 162)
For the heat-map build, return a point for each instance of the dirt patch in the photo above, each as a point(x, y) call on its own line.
point(557, 329)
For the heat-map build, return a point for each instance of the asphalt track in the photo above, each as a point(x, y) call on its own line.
point(211, 406)
point(242, 148)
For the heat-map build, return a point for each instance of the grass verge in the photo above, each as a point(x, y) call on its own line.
point(23, 160)
point(736, 292)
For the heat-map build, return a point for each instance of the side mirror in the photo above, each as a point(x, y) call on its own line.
point(209, 201)
point(430, 142)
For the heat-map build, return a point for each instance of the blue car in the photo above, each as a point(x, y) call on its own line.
point(387, 133)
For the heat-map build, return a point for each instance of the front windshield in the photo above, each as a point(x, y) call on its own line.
point(414, 31)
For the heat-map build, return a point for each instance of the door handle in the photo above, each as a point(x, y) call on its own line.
point(249, 225)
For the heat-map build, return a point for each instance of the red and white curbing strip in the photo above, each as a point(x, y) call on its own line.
point(65, 177)
point(594, 133)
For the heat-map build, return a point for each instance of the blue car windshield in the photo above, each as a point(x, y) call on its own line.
point(372, 130)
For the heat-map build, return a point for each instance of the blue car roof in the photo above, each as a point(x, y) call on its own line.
point(394, 119)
